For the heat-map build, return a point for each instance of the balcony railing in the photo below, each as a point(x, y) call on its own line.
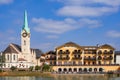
point(77, 58)
point(89, 58)
point(99, 52)
point(61, 52)
point(77, 52)
point(63, 58)
point(108, 52)
point(107, 58)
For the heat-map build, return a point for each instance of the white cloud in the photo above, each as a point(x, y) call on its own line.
point(114, 34)
point(59, 27)
point(88, 8)
point(80, 11)
point(52, 36)
point(5, 1)
point(91, 2)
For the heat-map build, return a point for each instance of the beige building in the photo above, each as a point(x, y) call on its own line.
point(71, 57)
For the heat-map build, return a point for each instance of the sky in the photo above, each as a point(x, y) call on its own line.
point(55, 22)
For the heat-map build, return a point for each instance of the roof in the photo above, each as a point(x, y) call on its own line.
point(11, 49)
point(25, 26)
point(38, 53)
point(69, 44)
point(51, 52)
point(106, 46)
point(117, 52)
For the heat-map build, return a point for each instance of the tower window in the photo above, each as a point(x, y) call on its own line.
point(24, 42)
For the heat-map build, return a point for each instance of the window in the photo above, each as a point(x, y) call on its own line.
point(7, 57)
point(13, 57)
point(24, 42)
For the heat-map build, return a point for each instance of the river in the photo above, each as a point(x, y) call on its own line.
point(62, 77)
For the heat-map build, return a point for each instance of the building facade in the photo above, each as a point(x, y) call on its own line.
point(22, 56)
point(71, 57)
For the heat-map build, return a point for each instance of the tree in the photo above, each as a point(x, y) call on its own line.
point(31, 68)
point(13, 68)
point(37, 67)
point(2, 60)
point(46, 67)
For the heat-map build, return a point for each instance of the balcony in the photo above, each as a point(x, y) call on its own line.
point(64, 52)
point(99, 58)
point(108, 58)
point(76, 58)
point(89, 58)
point(108, 52)
point(63, 58)
point(77, 52)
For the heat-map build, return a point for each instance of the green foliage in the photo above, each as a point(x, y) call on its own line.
point(0, 70)
point(37, 67)
point(31, 68)
point(13, 68)
point(2, 60)
point(46, 67)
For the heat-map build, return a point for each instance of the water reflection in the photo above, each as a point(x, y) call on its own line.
point(62, 77)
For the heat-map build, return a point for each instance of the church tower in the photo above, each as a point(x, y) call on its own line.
point(25, 37)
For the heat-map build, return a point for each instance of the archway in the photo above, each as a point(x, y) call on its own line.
point(75, 69)
point(70, 69)
point(59, 70)
point(100, 69)
point(95, 69)
point(65, 70)
point(85, 69)
point(80, 69)
point(90, 69)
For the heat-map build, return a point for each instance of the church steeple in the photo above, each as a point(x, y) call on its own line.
point(25, 25)
point(25, 36)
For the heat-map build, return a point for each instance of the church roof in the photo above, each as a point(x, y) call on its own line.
point(11, 48)
point(14, 48)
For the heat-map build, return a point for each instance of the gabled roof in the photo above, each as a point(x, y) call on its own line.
point(11, 49)
point(69, 44)
point(106, 46)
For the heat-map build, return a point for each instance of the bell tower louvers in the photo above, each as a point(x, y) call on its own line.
point(25, 37)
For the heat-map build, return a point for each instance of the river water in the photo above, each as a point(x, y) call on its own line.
point(62, 77)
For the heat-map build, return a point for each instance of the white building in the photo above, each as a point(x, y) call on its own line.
point(117, 57)
point(22, 56)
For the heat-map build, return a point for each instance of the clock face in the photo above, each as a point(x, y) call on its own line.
point(24, 34)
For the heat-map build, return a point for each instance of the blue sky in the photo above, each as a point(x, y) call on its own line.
point(55, 22)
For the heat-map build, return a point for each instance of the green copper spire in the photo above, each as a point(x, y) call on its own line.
point(25, 25)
